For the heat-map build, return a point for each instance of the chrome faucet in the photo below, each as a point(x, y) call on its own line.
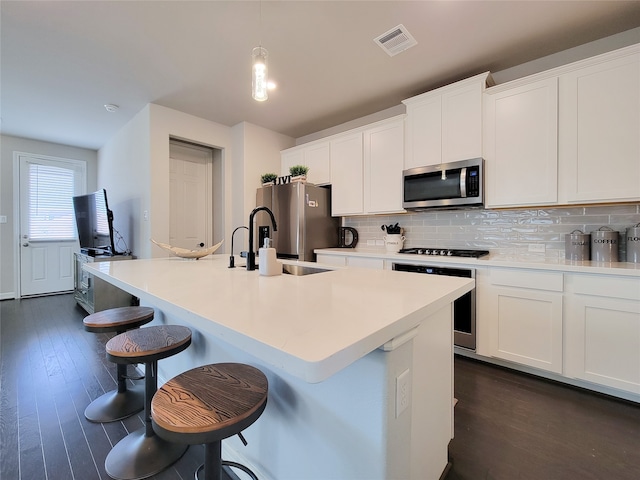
point(232, 260)
point(251, 255)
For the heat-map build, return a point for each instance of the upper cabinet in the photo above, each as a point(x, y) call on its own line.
point(521, 144)
point(600, 130)
point(570, 135)
point(445, 125)
point(315, 155)
point(366, 169)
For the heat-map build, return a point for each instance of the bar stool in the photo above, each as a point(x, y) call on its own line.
point(208, 404)
point(122, 402)
point(142, 453)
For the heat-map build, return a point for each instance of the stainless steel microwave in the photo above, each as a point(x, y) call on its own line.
point(447, 185)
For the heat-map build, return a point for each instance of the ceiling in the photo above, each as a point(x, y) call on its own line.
point(62, 61)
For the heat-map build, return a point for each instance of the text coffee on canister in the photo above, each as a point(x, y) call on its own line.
point(633, 244)
point(604, 245)
point(576, 246)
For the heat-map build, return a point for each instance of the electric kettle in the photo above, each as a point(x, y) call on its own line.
point(344, 233)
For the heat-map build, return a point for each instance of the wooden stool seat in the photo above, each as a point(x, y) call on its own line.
point(124, 401)
point(118, 319)
point(208, 404)
point(142, 454)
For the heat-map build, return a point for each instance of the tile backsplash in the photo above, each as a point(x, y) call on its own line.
point(508, 232)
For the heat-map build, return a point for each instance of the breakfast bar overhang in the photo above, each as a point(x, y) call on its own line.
point(359, 362)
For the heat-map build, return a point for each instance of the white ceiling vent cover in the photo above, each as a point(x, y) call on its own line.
point(396, 40)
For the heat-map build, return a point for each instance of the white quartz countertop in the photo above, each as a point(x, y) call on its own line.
point(310, 326)
point(538, 262)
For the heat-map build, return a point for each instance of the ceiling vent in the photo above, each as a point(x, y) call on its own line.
point(396, 40)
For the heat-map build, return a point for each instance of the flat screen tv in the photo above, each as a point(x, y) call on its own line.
point(94, 222)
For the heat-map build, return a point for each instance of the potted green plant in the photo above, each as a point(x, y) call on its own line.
point(298, 173)
point(268, 179)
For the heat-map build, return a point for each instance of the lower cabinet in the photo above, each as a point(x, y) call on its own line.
point(525, 311)
point(603, 331)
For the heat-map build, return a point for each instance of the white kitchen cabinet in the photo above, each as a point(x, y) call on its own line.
point(347, 175)
point(599, 141)
point(603, 331)
point(383, 163)
point(521, 144)
point(525, 311)
point(445, 125)
point(315, 155)
point(366, 169)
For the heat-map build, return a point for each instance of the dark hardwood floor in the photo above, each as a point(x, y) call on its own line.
point(514, 426)
point(508, 425)
point(51, 369)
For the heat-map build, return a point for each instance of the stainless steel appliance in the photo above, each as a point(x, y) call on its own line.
point(303, 214)
point(447, 185)
point(464, 308)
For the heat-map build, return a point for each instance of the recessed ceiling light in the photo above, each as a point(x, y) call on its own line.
point(110, 107)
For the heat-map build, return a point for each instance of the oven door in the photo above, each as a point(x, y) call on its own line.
point(464, 308)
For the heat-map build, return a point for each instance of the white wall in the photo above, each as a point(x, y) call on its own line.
point(134, 168)
point(123, 166)
point(8, 233)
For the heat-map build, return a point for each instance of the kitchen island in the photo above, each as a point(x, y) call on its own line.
point(359, 362)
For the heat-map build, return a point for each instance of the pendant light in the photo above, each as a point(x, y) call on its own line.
point(259, 73)
point(259, 70)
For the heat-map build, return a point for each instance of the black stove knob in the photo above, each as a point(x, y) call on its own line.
point(443, 252)
point(449, 253)
point(420, 251)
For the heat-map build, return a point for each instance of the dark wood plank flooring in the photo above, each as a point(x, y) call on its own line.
point(508, 425)
point(51, 369)
point(511, 426)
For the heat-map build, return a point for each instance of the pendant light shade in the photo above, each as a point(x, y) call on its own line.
point(259, 74)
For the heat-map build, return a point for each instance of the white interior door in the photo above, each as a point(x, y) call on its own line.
point(47, 223)
point(190, 216)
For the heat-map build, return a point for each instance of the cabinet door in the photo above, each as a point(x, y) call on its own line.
point(317, 158)
point(347, 175)
point(600, 132)
point(462, 123)
point(424, 133)
point(383, 160)
point(289, 158)
point(527, 327)
point(603, 341)
point(521, 142)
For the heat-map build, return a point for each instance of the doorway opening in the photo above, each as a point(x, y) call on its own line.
point(196, 218)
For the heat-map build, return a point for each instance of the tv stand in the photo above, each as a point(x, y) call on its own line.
point(92, 293)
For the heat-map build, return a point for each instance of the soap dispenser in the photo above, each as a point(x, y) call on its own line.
point(268, 264)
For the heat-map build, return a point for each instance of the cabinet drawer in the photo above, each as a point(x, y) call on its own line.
point(538, 280)
point(604, 286)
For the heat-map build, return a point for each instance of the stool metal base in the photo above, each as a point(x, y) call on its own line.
point(139, 456)
point(199, 475)
point(114, 405)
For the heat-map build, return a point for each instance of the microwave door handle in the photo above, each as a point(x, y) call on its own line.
point(463, 182)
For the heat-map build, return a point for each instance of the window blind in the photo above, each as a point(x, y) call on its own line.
point(51, 190)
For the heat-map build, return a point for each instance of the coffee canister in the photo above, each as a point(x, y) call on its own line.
point(604, 245)
point(576, 246)
point(633, 244)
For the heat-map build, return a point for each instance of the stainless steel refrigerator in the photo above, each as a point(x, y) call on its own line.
point(303, 217)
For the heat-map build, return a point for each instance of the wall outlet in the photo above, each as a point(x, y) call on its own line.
point(537, 247)
point(371, 243)
point(380, 243)
point(3, 219)
point(403, 392)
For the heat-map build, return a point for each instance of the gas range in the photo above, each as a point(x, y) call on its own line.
point(445, 252)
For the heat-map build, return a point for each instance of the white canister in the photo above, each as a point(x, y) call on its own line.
point(576, 246)
point(393, 243)
point(604, 245)
point(633, 244)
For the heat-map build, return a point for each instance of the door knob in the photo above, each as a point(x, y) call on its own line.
point(201, 244)
point(25, 244)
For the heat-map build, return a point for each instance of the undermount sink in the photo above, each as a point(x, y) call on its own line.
point(299, 270)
